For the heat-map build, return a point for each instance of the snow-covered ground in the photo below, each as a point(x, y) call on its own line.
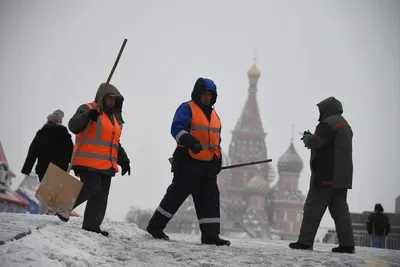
point(57, 244)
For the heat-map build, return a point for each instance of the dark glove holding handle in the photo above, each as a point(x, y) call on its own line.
point(305, 133)
point(93, 114)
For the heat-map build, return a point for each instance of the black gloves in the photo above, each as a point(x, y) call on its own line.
point(305, 133)
point(126, 168)
point(191, 142)
point(93, 114)
point(196, 148)
point(306, 137)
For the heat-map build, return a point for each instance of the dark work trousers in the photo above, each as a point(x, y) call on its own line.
point(95, 189)
point(205, 195)
point(318, 199)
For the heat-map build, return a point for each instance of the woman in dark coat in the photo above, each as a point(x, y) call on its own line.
point(52, 143)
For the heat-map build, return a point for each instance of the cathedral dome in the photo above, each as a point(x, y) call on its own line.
point(254, 71)
point(290, 161)
point(257, 185)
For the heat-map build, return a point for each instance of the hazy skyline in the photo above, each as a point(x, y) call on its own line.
point(54, 55)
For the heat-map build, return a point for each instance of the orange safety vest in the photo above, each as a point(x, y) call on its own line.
point(207, 132)
point(99, 149)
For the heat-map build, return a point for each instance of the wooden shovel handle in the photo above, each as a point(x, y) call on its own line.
point(116, 61)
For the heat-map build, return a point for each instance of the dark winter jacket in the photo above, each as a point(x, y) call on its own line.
point(378, 222)
point(331, 158)
point(52, 143)
point(81, 119)
point(183, 164)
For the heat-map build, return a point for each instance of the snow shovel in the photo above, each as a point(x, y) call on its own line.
point(58, 189)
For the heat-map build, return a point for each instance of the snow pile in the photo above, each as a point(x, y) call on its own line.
point(15, 226)
point(58, 244)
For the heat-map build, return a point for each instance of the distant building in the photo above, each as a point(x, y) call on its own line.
point(397, 205)
point(245, 189)
point(287, 199)
point(10, 201)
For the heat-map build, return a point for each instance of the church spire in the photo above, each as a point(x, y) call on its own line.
point(248, 136)
point(292, 138)
point(250, 120)
point(254, 72)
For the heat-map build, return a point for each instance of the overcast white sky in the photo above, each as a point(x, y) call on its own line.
point(54, 54)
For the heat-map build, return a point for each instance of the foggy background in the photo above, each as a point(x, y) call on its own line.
point(54, 55)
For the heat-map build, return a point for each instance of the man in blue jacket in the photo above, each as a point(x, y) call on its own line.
point(196, 162)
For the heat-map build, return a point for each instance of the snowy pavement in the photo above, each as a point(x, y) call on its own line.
point(59, 244)
point(12, 226)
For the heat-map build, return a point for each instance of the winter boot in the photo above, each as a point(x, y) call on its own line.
point(298, 245)
point(157, 234)
point(63, 214)
point(214, 241)
point(348, 249)
point(62, 218)
point(156, 225)
point(98, 231)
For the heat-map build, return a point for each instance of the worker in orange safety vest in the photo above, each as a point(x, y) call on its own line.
point(196, 163)
point(99, 155)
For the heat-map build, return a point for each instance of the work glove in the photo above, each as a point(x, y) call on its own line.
point(305, 134)
point(126, 168)
point(306, 137)
point(196, 148)
point(93, 114)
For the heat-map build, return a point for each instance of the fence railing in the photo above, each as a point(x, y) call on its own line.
point(361, 237)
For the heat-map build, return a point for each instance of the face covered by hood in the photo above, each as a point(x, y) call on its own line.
point(202, 85)
point(378, 208)
point(328, 107)
point(102, 92)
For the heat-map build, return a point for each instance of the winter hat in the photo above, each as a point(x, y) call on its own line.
point(56, 117)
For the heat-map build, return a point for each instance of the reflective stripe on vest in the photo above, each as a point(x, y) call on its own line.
point(99, 149)
point(207, 132)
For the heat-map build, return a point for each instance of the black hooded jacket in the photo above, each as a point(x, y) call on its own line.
point(331, 147)
point(52, 143)
point(378, 222)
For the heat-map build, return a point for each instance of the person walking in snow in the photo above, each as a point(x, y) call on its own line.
point(197, 160)
point(100, 153)
point(378, 227)
point(52, 143)
point(331, 177)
